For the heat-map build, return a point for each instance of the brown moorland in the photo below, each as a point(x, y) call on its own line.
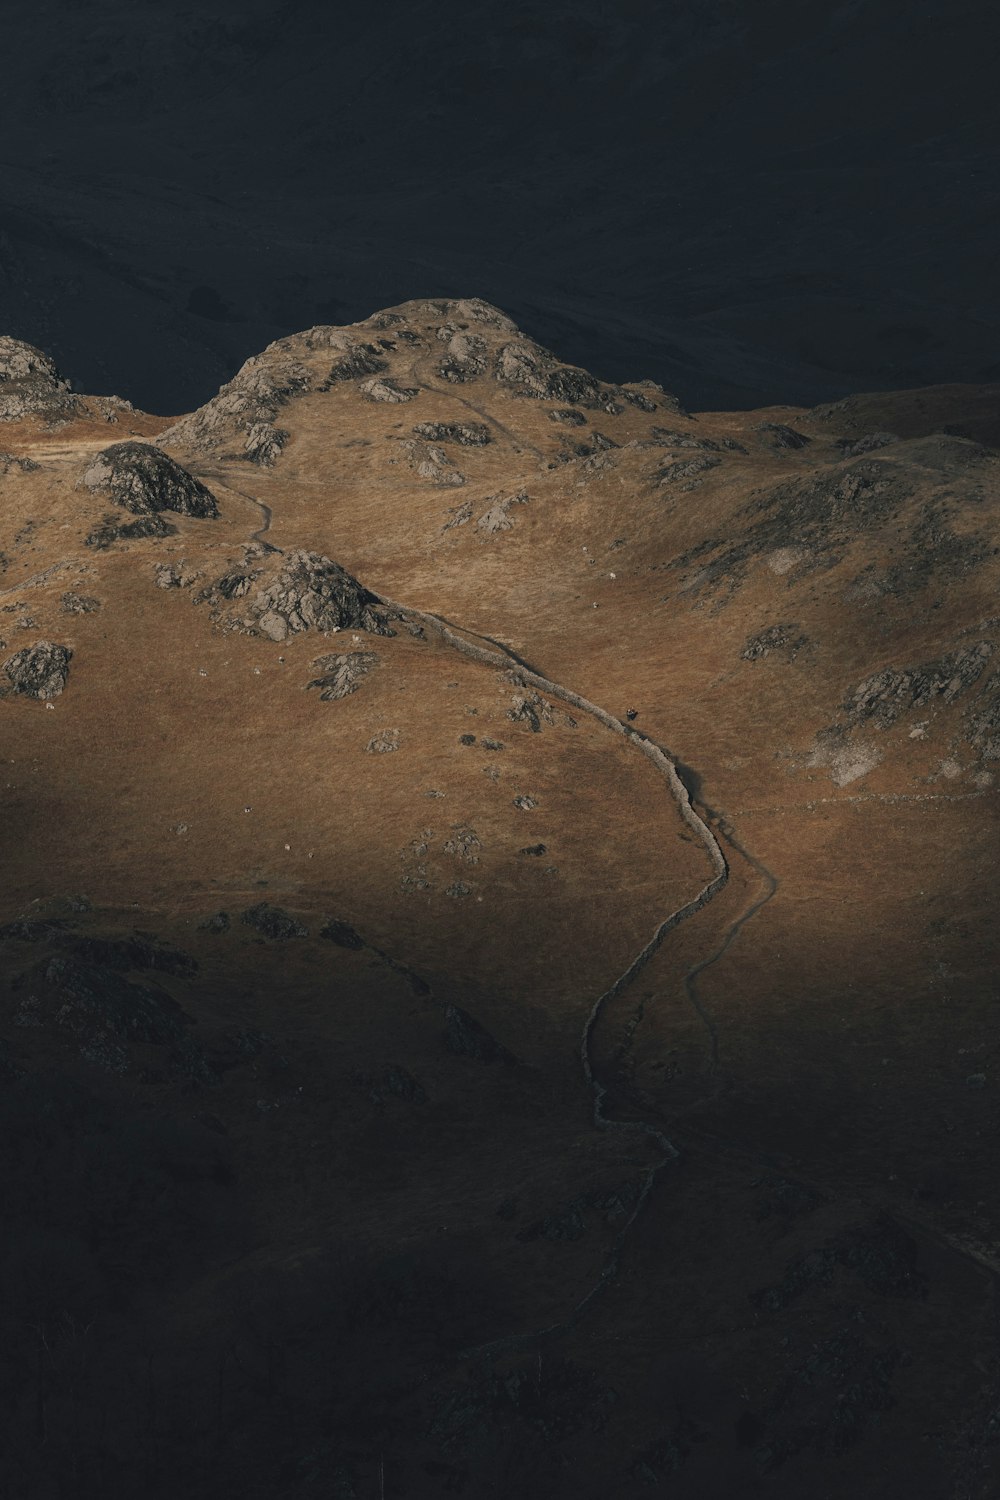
point(498, 932)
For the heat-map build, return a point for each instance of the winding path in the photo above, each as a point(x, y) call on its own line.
point(504, 659)
point(489, 651)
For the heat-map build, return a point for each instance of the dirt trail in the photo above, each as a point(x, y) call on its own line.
point(505, 659)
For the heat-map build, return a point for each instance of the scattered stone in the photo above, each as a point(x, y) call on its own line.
point(536, 850)
point(568, 416)
point(40, 670)
point(341, 933)
point(466, 434)
point(458, 888)
point(145, 480)
point(533, 710)
point(467, 739)
point(493, 744)
point(525, 803)
point(272, 922)
point(463, 843)
point(342, 675)
point(79, 604)
point(383, 742)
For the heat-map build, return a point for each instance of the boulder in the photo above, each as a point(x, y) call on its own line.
point(145, 480)
point(40, 670)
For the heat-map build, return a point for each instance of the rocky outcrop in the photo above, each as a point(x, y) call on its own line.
point(79, 604)
point(362, 359)
point(111, 530)
point(30, 384)
point(781, 638)
point(146, 481)
point(776, 436)
point(467, 434)
point(95, 996)
point(465, 357)
point(240, 420)
point(430, 462)
point(887, 695)
point(40, 670)
point(869, 443)
point(11, 463)
point(273, 922)
point(382, 388)
point(497, 517)
point(342, 675)
point(278, 595)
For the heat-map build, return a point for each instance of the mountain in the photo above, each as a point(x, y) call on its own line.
point(498, 940)
point(747, 202)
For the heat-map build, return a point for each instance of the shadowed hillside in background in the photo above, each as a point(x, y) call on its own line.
point(750, 201)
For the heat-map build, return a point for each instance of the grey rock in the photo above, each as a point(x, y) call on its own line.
point(497, 517)
point(342, 675)
point(774, 638)
point(272, 922)
point(465, 358)
point(12, 463)
point(690, 470)
point(111, 530)
point(31, 385)
point(243, 413)
point(466, 434)
point(146, 481)
point(175, 575)
point(568, 416)
point(40, 670)
point(383, 742)
point(363, 359)
point(884, 697)
point(429, 461)
point(384, 389)
point(278, 595)
point(79, 604)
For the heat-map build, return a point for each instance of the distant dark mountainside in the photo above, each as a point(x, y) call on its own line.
point(750, 203)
